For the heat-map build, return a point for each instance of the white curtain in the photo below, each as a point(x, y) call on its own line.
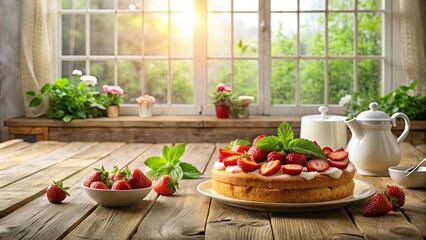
point(38, 49)
point(413, 43)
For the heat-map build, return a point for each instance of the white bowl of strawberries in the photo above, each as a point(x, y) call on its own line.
point(117, 188)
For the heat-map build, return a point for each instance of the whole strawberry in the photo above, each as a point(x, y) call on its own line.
point(98, 185)
point(396, 195)
point(295, 158)
point(99, 175)
point(377, 205)
point(257, 139)
point(139, 180)
point(274, 155)
point(166, 186)
point(56, 193)
point(121, 185)
point(258, 154)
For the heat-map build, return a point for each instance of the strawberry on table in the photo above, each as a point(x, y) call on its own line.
point(377, 205)
point(269, 168)
point(139, 179)
point(292, 169)
point(98, 185)
point(396, 195)
point(295, 158)
point(317, 165)
point(56, 193)
point(121, 185)
point(246, 164)
point(166, 186)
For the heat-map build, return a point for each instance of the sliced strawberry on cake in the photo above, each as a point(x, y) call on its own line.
point(292, 169)
point(269, 168)
point(231, 160)
point(339, 164)
point(224, 153)
point(317, 165)
point(246, 164)
point(337, 155)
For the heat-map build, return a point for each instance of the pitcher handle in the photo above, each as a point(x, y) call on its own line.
point(404, 134)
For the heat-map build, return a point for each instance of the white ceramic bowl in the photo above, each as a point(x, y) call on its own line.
point(415, 180)
point(116, 198)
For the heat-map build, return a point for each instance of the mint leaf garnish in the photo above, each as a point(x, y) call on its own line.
point(285, 132)
point(170, 164)
point(305, 146)
point(270, 143)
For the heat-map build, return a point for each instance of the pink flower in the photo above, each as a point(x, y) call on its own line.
point(228, 89)
point(112, 89)
point(220, 87)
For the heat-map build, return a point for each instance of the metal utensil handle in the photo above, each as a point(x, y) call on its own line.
point(414, 168)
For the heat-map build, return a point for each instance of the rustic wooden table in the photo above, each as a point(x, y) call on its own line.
point(27, 169)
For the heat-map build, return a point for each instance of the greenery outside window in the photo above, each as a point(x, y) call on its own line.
point(292, 55)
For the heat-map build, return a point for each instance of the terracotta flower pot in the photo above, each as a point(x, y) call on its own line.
point(113, 110)
point(222, 110)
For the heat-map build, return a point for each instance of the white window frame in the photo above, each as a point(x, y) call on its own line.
point(263, 106)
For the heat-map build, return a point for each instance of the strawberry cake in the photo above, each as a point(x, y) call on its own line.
point(282, 169)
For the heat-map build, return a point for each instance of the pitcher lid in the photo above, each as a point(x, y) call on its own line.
point(324, 117)
point(373, 114)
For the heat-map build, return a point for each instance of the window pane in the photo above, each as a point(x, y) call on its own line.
point(340, 78)
point(369, 77)
point(182, 82)
point(156, 79)
point(283, 5)
point(156, 34)
point(284, 34)
point(219, 44)
point(101, 4)
point(130, 4)
point(182, 34)
point(182, 5)
point(341, 4)
point(129, 78)
point(246, 5)
point(218, 5)
point(245, 34)
point(73, 4)
point(103, 71)
point(101, 34)
point(370, 4)
point(69, 66)
point(218, 71)
point(312, 34)
point(340, 33)
point(73, 34)
point(312, 5)
point(283, 81)
point(311, 81)
point(129, 34)
point(369, 34)
point(156, 5)
point(245, 78)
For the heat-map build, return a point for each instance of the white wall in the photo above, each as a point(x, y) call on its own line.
point(11, 101)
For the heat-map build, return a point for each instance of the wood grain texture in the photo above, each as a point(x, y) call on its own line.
point(33, 151)
point(15, 145)
point(55, 220)
point(13, 196)
point(182, 215)
point(41, 162)
point(10, 143)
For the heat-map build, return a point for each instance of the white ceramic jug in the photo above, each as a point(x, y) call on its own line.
point(373, 148)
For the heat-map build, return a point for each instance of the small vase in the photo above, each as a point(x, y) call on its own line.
point(222, 110)
point(145, 109)
point(113, 110)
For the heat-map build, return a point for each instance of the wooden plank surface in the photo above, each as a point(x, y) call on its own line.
point(12, 146)
point(10, 143)
point(55, 220)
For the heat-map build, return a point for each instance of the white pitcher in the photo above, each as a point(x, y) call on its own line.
point(373, 148)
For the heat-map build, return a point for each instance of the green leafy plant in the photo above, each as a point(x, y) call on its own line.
point(71, 98)
point(170, 164)
point(223, 95)
point(285, 142)
point(398, 100)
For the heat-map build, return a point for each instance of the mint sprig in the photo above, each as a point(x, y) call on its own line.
point(285, 142)
point(170, 164)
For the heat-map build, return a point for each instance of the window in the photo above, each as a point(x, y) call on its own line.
point(291, 55)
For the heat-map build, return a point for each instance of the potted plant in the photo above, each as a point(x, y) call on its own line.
point(222, 98)
point(113, 99)
point(69, 99)
point(146, 103)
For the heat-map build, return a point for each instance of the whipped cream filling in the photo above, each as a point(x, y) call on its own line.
point(332, 172)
